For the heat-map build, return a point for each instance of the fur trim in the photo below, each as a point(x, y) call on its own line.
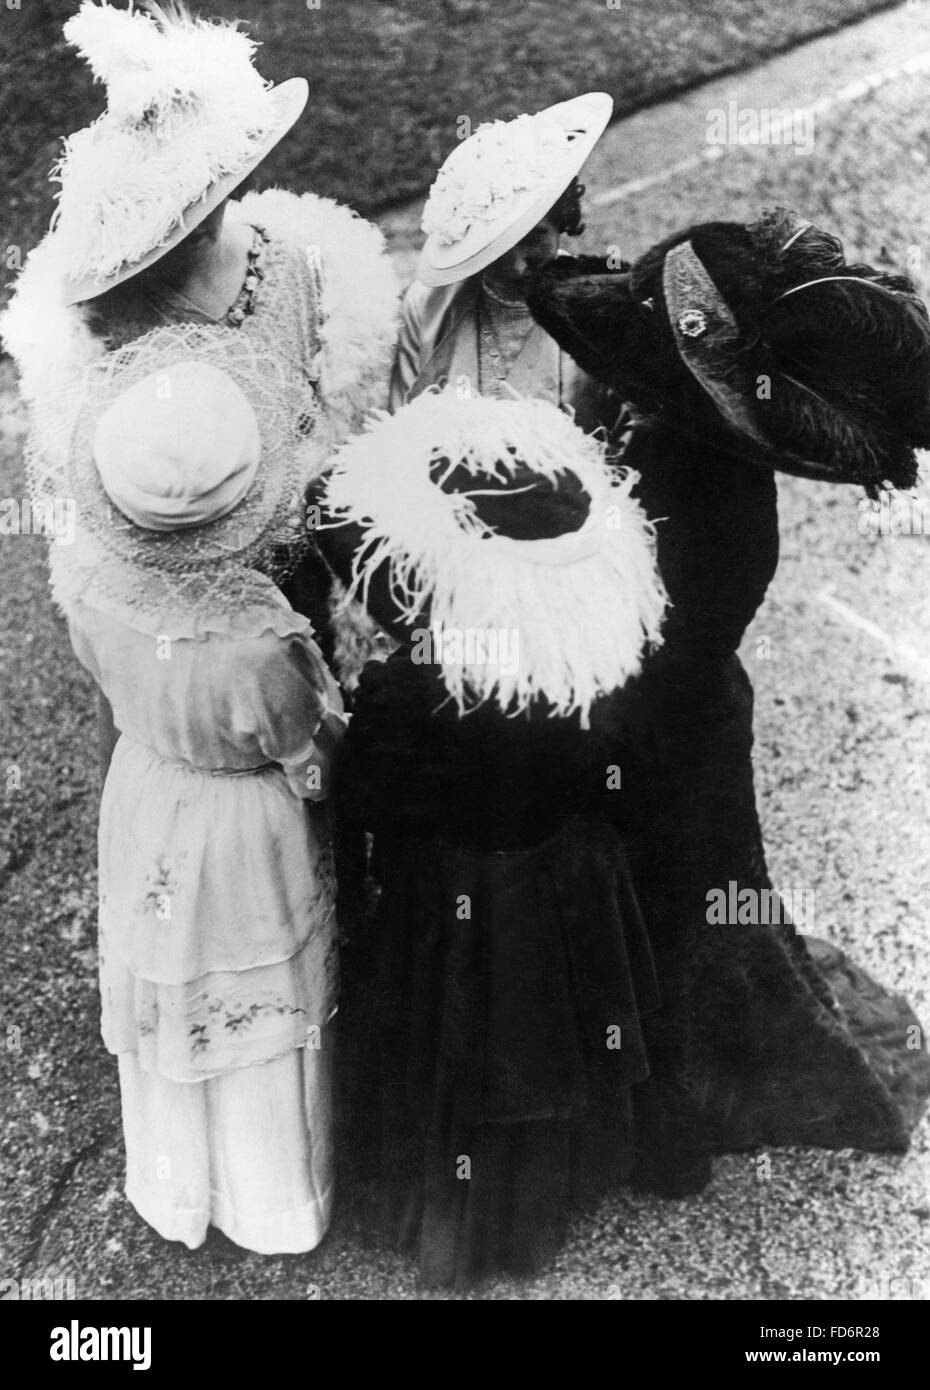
point(357, 638)
point(360, 305)
point(580, 606)
point(360, 298)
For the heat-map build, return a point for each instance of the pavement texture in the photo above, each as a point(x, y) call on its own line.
point(840, 660)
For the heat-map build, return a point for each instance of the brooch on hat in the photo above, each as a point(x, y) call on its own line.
point(692, 323)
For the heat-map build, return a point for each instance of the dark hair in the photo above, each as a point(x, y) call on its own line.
point(566, 211)
point(127, 305)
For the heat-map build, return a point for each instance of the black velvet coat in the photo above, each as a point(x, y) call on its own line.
point(765, 1037)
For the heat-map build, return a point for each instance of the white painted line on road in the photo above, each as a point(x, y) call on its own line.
point(903, 652)
point(683, 166)
point(849, 92)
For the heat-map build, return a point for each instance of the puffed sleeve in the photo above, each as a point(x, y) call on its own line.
point(296, 712)
point(408, 352)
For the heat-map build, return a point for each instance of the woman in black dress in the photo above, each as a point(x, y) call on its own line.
point(747, 349)
point(495, 1001)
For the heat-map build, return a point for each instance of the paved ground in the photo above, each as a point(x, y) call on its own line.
point(843, 768)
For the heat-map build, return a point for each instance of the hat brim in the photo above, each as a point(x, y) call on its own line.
point(584, 119)
point(291, 96)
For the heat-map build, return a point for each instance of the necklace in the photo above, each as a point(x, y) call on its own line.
point(503, 331)
point(244, 302)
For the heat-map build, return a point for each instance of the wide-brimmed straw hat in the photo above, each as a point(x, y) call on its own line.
point(187, 454)
point(500, 182)
point(187, 119)
point(497, 515)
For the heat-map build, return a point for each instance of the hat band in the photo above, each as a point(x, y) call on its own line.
point(707, 337)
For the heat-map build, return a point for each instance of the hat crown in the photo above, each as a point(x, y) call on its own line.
point(500, 182)
point(178, 448)
point(483, 175)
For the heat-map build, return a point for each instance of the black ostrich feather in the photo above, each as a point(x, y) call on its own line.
point(848, 350)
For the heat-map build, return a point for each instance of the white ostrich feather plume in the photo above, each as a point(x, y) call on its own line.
point(583, 605)
point(150, 59)
point(45, 338)
point(185, 107)
point(114, 41)
point(482, 178)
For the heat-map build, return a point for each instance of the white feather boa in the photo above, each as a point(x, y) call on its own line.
point(575, 611)
point(42, 336)
point(360, 305)
point(361, 297)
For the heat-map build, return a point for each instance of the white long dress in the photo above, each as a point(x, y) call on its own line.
point(217, 924)
point(216, 919)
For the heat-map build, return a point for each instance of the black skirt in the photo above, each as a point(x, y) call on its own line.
point(766, 1035)
point(495, 1014)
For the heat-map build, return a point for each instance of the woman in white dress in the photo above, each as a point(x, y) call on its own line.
point(189, 363)
point(217, 919)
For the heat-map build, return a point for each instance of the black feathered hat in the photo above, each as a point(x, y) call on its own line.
point(821, 367)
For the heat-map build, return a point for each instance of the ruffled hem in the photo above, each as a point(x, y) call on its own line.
point(512, 1212)
point(274, 615)
point(223, 1021)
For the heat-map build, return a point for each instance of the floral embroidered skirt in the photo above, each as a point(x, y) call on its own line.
point(218, 978)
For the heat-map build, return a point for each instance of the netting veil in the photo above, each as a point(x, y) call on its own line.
point(221, 576)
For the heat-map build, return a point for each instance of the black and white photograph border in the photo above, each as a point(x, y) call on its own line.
point(721, 112)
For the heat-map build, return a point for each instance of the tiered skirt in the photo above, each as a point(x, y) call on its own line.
point(218, 983)
point(496, 1016)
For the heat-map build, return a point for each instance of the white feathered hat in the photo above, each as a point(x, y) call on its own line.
point(568, 562)
point(499, 183)
point(188, 117)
